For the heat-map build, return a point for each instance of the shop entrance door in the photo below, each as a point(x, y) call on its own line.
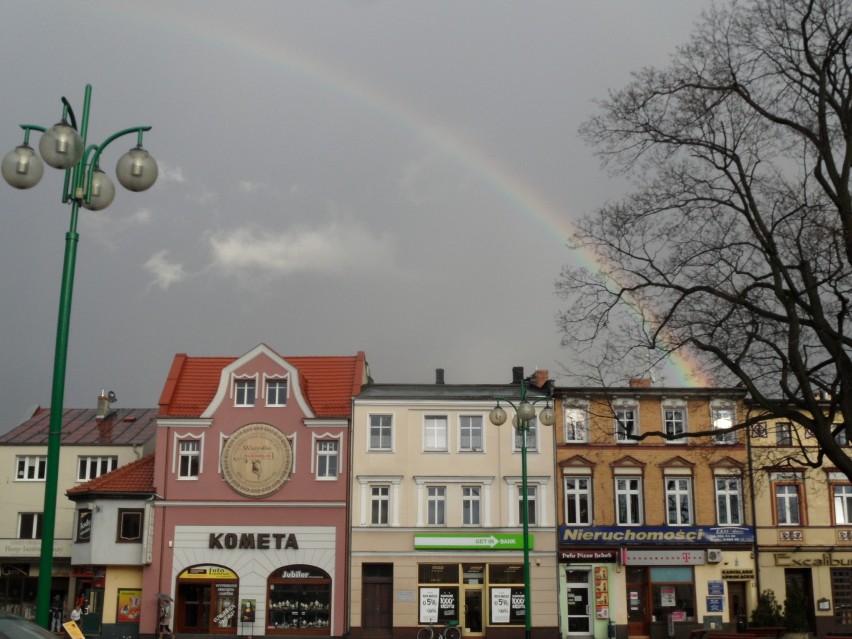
point(737, 608)
point(579, 606)
point(638, 610)
point(802, 578)
point(90, 623)
point(377, 600)
point(192, 608)
point(471, 619)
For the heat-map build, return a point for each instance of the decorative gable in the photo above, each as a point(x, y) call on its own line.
point(259, 364)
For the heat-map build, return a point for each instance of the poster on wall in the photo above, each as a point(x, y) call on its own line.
point(518, 609)
point(500, 602)
point(226, 605)
point(447, 598)
point(601, 592)
point(429, 605)
point(247, 608)
point(128, 605)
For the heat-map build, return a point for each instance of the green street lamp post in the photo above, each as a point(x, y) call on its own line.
point(524, 415)
point(64, 147)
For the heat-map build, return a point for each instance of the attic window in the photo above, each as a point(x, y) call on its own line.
point(276, 392)
point(95, 466)
point(245, 391)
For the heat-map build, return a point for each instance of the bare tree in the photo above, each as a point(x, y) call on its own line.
point(735, 247)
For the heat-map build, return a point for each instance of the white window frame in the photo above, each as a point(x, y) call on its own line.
point(514, 498)
point(841, 496)
point(674, 414)
point(436, 433)
point(620, 410)
point(630, 492)
point(274, 397)
point(732, 498)
point(436, 505)
point(580, 491)
point(576, 424)
point(189, 455)
point(380, 495)
point(723, 416)
point(468, 427)
point(531, 435)
point(91, 466)
point(532, 503)
point(35, 527)
point(324, 455)
point(471, 505)
point(30, 467)
point(678, 490)
point(241, 392)
point(385, 431)
point(788, 503)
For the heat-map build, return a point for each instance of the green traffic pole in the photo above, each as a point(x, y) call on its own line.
point(45, 573)
point(523, 427)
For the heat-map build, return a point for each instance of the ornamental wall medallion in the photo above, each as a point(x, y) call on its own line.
point(257, 460)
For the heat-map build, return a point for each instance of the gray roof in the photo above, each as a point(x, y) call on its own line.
point(82, 427)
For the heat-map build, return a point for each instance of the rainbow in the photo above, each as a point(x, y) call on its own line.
point(681, 369)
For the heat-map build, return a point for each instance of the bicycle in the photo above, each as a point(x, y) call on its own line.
point(451, 631)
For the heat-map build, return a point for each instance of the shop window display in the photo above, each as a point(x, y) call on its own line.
point(299, 601)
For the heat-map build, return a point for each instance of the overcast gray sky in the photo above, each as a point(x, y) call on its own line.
point(386, 176)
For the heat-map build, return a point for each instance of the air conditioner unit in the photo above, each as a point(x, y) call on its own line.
point(714, 556)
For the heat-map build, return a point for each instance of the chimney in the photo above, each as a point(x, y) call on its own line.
point(641, 382)
point(540, 378)
point(517, 374)
point(103, 405)
point(439, 375)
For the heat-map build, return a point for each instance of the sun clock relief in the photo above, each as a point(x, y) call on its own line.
point(257, 460)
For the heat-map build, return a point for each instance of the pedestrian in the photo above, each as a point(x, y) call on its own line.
point(56, 614)
point(76, 614)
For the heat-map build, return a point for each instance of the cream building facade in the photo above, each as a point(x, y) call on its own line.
point(803, 524)
point(94, 442)
point(436, 519)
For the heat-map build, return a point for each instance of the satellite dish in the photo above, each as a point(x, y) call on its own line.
point(111, 397)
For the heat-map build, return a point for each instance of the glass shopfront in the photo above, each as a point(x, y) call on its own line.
point(299, 601)
point(472, 595)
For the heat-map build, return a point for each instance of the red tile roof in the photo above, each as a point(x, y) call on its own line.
point(131, 479)
point(83, 427)
point(328, 383)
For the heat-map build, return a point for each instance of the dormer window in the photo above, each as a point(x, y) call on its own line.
point(276, 392)
point(245, 391)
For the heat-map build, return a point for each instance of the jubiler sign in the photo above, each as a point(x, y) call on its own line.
point(688, 535)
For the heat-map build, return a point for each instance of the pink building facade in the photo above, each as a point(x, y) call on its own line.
point(251, 516)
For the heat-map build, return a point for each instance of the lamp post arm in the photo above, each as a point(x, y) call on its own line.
point(98, 149)
point(134, 129)
point(31, 127)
